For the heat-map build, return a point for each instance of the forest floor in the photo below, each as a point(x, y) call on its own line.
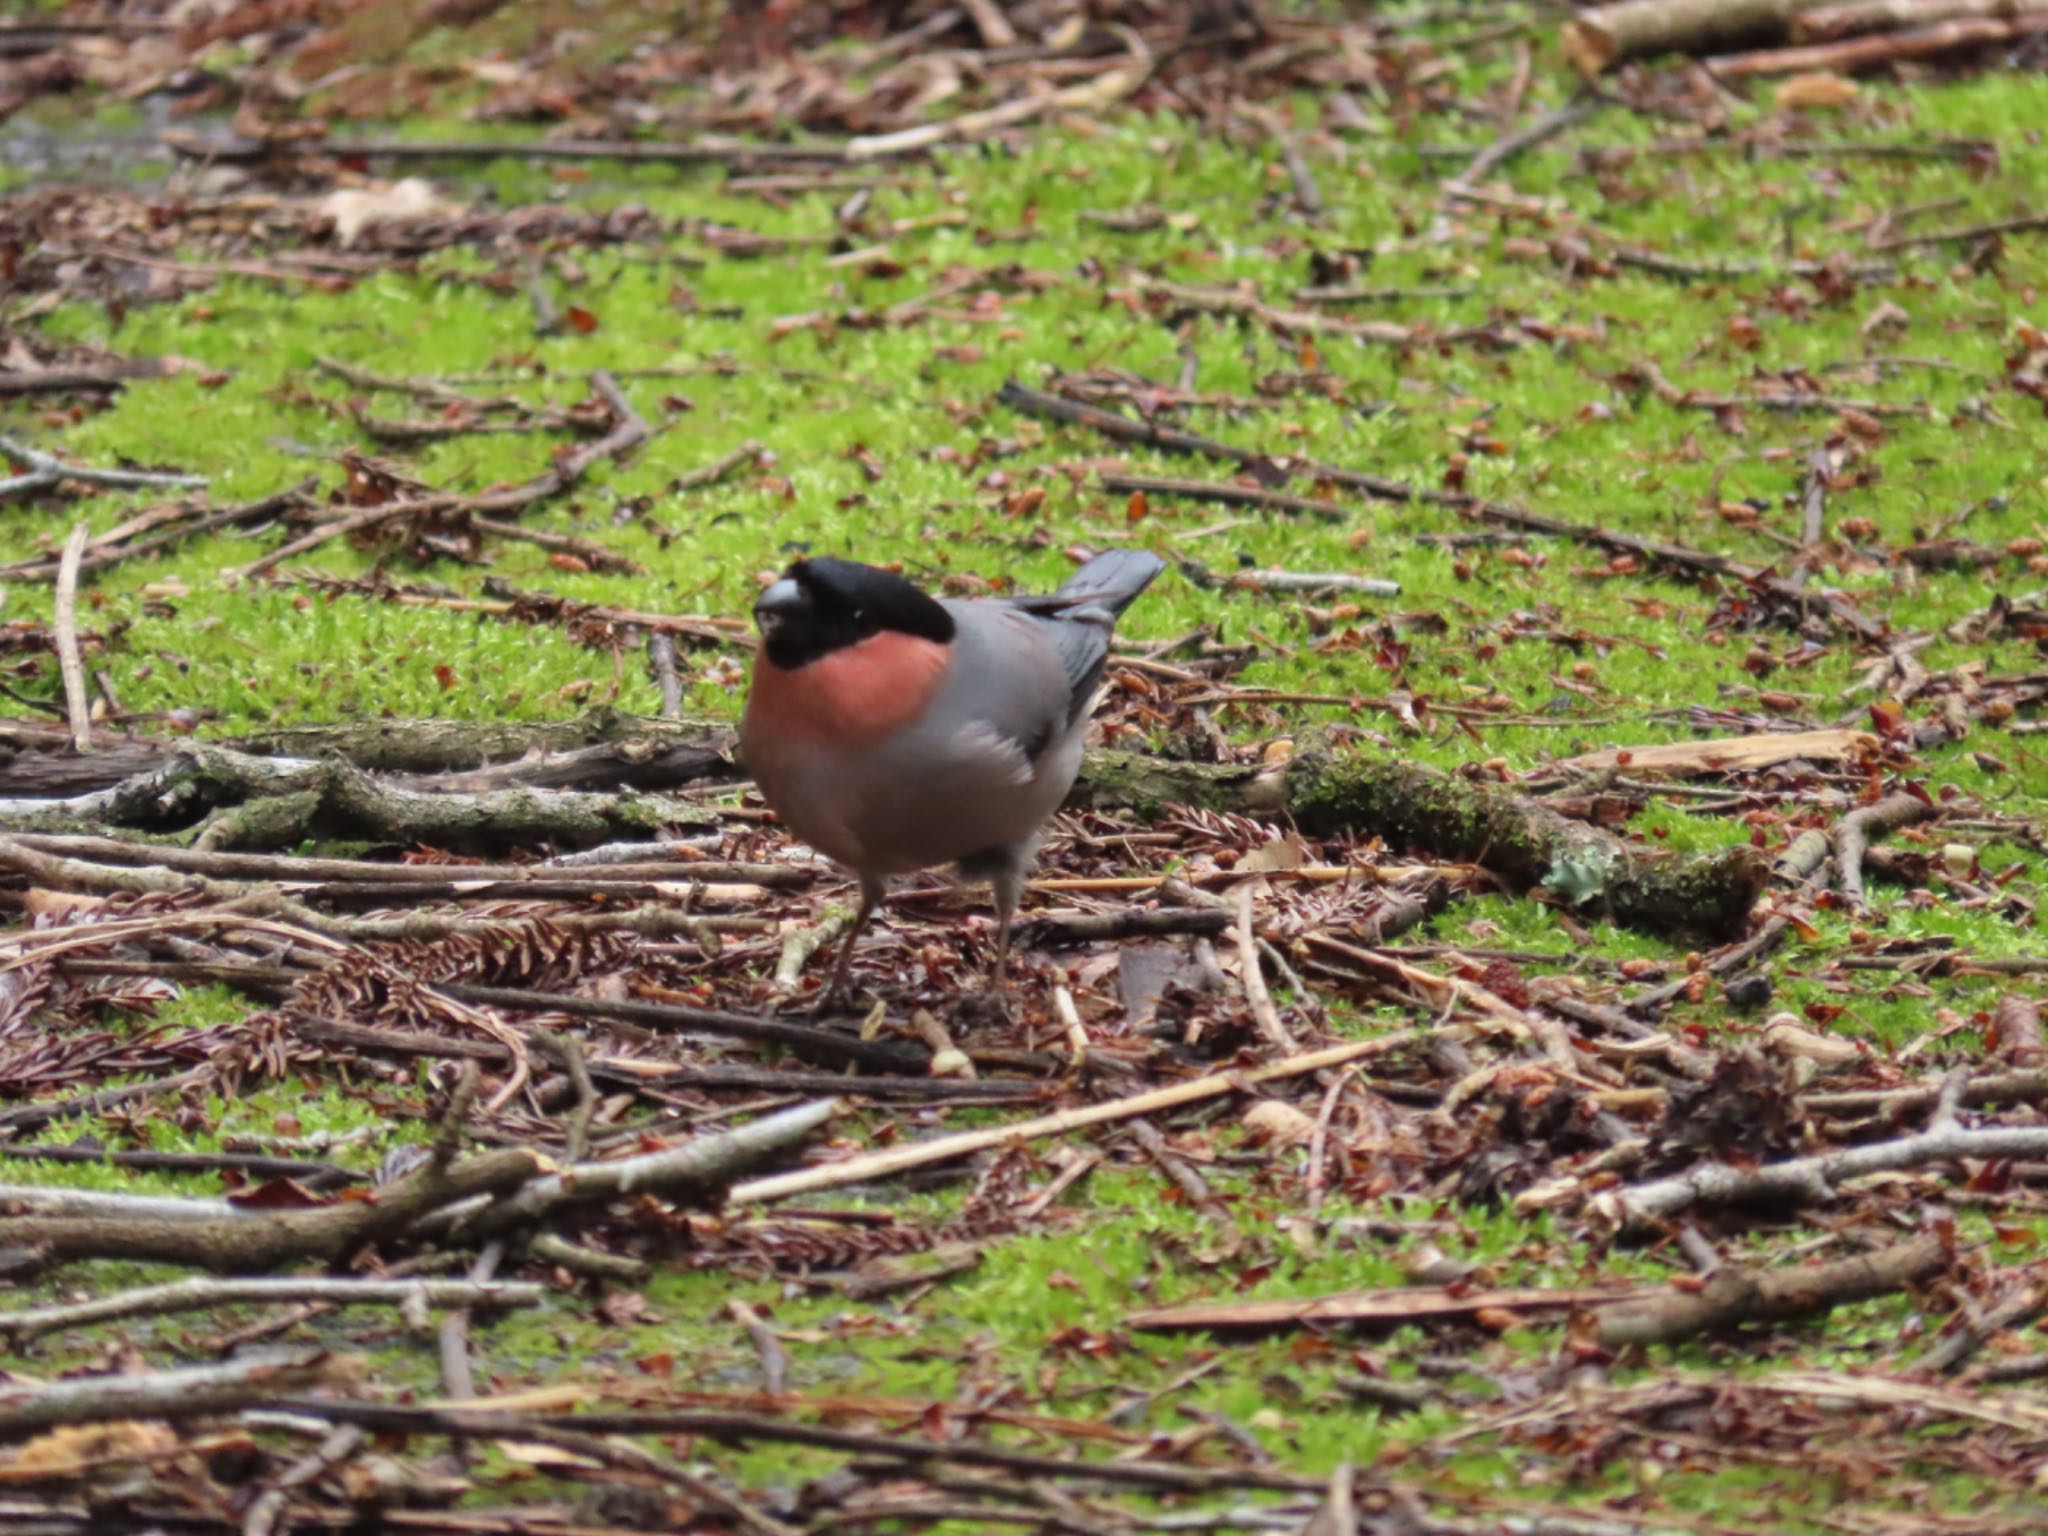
point(1428, 1185)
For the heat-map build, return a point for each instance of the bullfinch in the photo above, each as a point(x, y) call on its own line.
point(894, 731)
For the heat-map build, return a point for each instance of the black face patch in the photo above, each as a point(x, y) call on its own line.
point(822, 605)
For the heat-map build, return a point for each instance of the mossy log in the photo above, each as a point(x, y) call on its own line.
point(237, 800)
point(478, 800)
point(1427, 811)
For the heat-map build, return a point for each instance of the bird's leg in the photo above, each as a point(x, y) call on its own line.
point(872, 889)
point(1008, 884)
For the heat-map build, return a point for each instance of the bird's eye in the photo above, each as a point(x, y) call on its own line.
point(859, 614)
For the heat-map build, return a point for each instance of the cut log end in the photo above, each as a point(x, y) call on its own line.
point(1588, 47)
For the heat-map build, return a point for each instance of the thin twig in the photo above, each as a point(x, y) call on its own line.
point(941, 1149)
point(65, 632)
point(201, 1293)
point(1252, 973)
point(661, 654)
point(45, 470)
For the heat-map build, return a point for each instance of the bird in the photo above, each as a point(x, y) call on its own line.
point(895, 731)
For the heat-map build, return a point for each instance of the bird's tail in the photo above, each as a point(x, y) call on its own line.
point(1111, 581)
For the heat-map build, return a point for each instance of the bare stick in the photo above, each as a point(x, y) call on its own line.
point(457, 1379)
point(341, 1443)
point(1520, 142)
point(1280, 582)
point(1642, 1206)
point(1952, 1351)
point(1856, 53)
point(1225, 493)
point(201, 1293)
point(567, 1050)
point(1252, 973)
point(1852, 836)
point(717, 469)
point(942, 1149)
point(741, 1428)
point(697, 1165)
point(110, 549)
point(991, 23)
point(258, 1240)
point(46, 470)
point(1965, 234)
point(69, 660)
point(707, 150)
point(629, 430)
point(1732, 1296)
point(186, 1393)
point(661, 654)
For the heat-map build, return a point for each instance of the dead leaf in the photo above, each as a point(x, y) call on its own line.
point(1818, 90)
point(355, 209)
point(1281, 1123)
point(79, 1448)
point(1785, 1036)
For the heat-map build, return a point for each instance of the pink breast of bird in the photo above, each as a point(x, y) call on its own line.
point(851, 697)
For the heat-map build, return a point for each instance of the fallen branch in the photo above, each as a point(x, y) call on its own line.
point(1857, 53)
point(181, 1394)
point(804, 1039)
point(629, 430)
point(1854, 832)
point(1967, 234)
point(1641, 1207)
point(699, 1165)
point(261, 1240)
point(944, 1149)
point(1224, 493)
point(266, 801)
point(109, 550)
point(45, 470)
point(1596, 39)
point(198, 1294)
point(1095, 95)
point(743, 1428)
point(1732, 1296)
point(339, 1446)
point(1381, 1309)
point(1696, 563)
point(1957, 1346)
point(710, 474)
point(1828, 22)
point(1286, 582)
point(1247, 305)
point(29, 1117)
point(708, 150)
point(1508, 146)
point(102, 380)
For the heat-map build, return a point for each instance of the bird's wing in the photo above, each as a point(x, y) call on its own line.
point(1081, 616)
point(1010, 675)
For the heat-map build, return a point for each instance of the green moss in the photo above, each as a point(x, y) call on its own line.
point(1560, 649)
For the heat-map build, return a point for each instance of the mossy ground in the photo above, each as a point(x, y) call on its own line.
point(1608, 657)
